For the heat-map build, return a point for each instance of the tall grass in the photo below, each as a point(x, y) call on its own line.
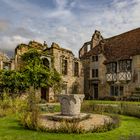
point(9, 105)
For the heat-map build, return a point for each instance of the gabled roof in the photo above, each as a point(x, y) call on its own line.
point(122, 46)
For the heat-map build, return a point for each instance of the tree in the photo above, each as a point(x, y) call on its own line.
point(38, 75)
point(12, 81)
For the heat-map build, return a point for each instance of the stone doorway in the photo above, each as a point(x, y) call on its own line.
point(45, 93)
point(95, 91)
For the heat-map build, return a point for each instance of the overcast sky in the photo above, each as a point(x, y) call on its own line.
point(69, 23)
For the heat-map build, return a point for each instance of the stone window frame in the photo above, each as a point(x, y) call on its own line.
point(76, 68)
point(64, 66)
point(6, 66)
point(95, 73)
point(95, 58)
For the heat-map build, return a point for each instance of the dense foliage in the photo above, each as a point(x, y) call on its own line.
point(33, 73)
point(12, 81)
point(38, 74)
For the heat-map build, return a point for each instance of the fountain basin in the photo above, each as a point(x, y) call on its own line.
point(76, 118)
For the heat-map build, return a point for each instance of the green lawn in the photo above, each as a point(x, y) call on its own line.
point(11, 130)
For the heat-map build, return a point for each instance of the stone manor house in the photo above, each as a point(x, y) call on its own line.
point(111, 65)
point(106, 67)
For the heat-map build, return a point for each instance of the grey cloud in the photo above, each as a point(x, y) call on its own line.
point(70, 29)
point(23, 32)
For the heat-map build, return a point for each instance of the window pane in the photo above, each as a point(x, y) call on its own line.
point(93, 73)
point(94, 58)
point(112, 90)
point(64, 66)
point(112, 68)
point(125, 65)
point(96, 72)
point(108, 68)
point(128, 65)
point(76, 69)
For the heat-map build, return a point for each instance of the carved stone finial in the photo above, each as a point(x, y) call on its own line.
point(71, 104)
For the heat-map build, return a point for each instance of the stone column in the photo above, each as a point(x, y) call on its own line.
point(1, 65)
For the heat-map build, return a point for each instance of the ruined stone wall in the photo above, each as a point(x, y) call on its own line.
point(23, 48)
point(68, 79)
point(56, 54)
point(12, 64)
point(84, 49)
point(4, 59)
point(86, 76)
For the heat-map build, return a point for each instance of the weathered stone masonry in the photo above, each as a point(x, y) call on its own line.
point(62, 60)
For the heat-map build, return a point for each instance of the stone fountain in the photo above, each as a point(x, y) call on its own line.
point(70, 112)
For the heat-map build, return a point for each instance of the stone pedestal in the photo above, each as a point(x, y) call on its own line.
point(70, 104)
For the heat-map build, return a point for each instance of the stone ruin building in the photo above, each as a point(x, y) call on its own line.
point(63, 61)
point(5, 62)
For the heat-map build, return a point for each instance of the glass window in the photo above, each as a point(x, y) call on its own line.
point(76, 69)
point(125, 65)
point(116, 90)
point(111, 67)
point(94, 58)
point(64, 66)
point(128, 65)
point(94, 73)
